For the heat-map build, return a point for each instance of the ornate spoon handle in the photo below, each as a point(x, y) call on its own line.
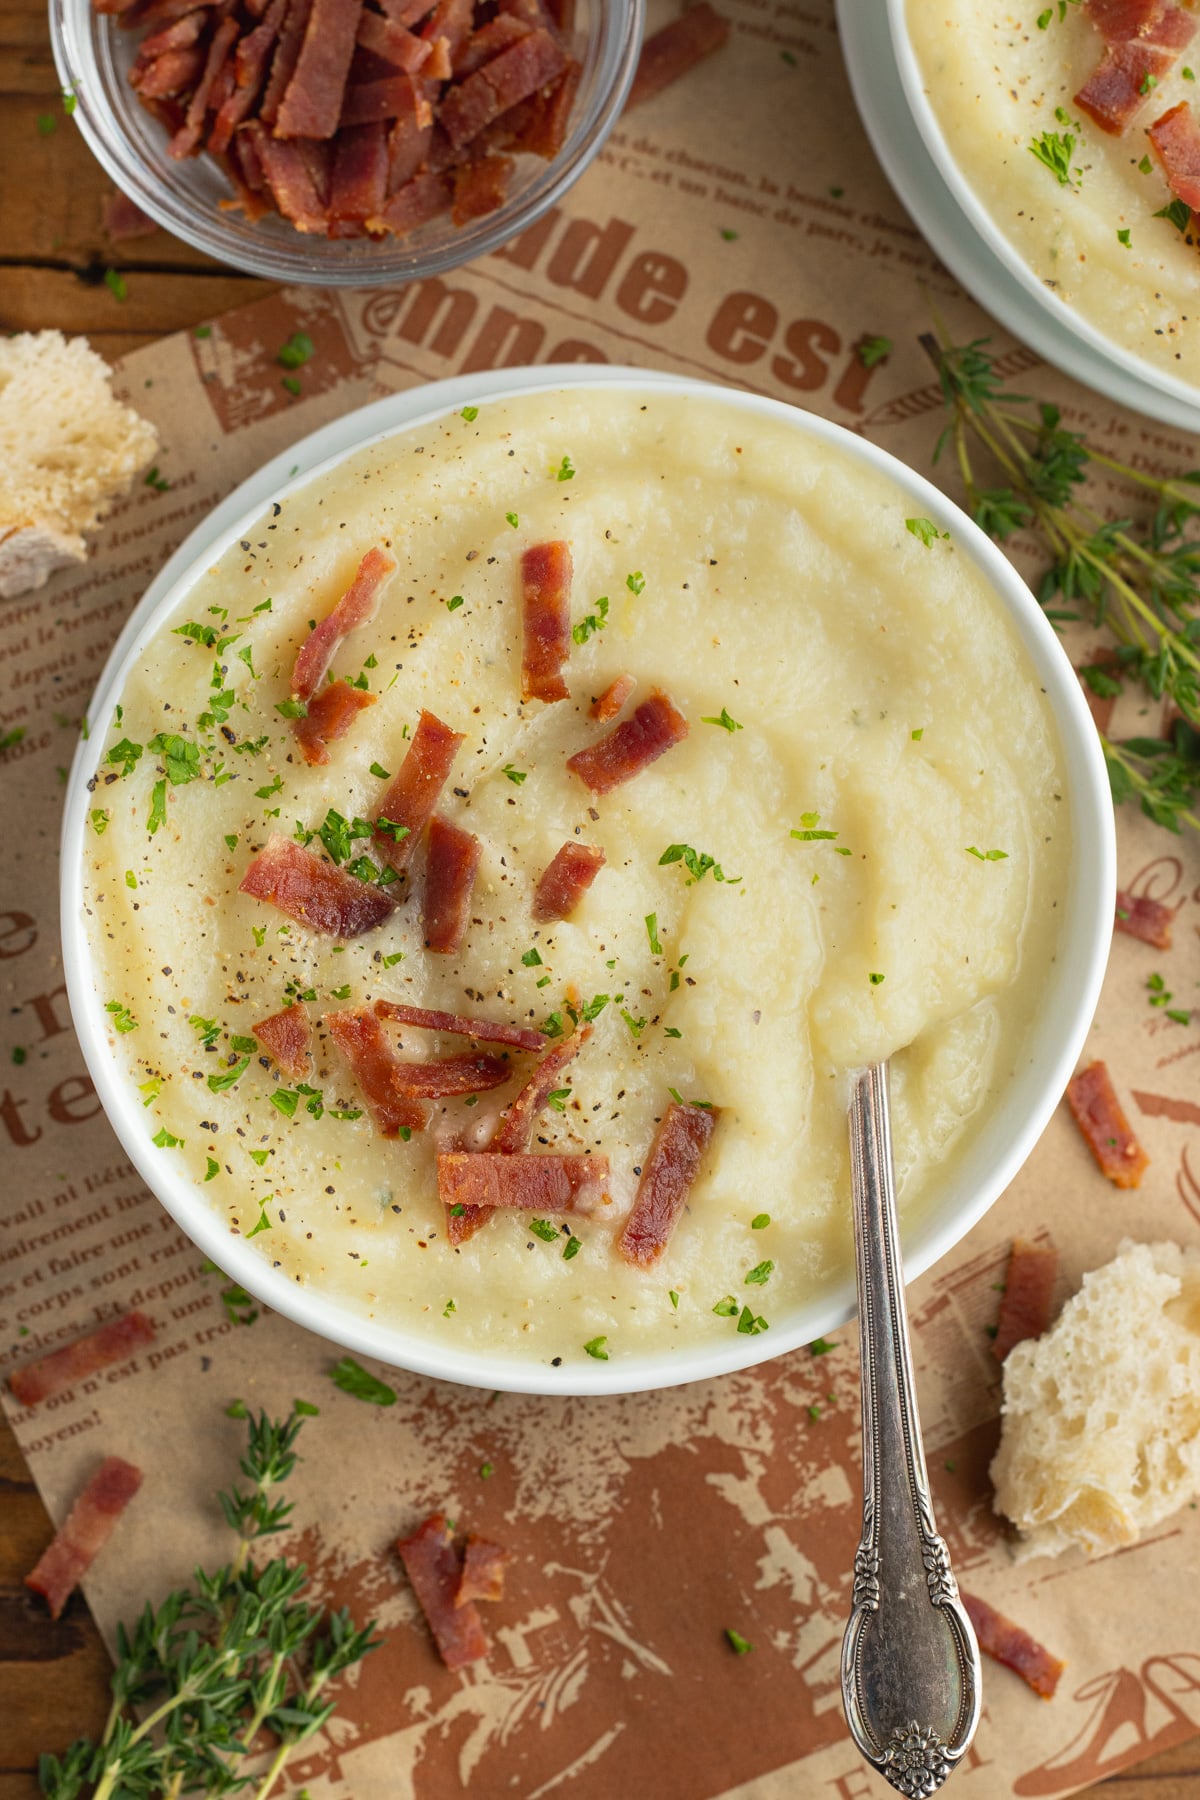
point(910, 1663)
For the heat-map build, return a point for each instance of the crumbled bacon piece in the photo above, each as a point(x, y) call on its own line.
point(59, 1370)
point(250, 68)
point(376, 1068)
point(1012, 1645)
point(355, 608)
point(186, 140)
point(358, 180)
point(1175, 140)
point(451, 864)
point(481, 187)
point(287, 54)
point(290, 180)
point(426, 196)
point(410, 800)
point(88, 1527)
point(439, 1077)
point(1144, 918)
point(676, 49)
point(1098, 1114)
point(649, 732)
point(608, 704)
point(514, 75)
point(1027, 1305)
point(122, 219)
point(312, 104)
point(487, 42)
point(565, 880)
point(313, 892)
point(483, 1569)
point(520, 1180)
point(331, 712)
point(287, 1037)
point(1143, 42)
point(546, 615)
point(394, 43)
point(434, 1567)
point(484, 1031)
point(667, 1178)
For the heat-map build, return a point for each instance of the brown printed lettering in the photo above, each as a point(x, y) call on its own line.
point(742, 327)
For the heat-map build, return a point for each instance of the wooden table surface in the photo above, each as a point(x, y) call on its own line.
point(53, 258)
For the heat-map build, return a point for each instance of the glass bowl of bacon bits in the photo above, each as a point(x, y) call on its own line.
point(345, 142)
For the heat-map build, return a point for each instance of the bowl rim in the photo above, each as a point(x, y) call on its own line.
point(280, 257)
point(981, 221)
point(1055, 1039)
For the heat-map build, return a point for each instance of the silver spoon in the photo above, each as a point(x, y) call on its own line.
point(910, 1662)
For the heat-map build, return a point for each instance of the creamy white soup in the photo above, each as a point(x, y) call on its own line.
point(870, 848)
point(1091, 214)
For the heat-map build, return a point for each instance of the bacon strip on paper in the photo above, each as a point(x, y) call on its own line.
point(413, 795)
point(451, 865)
point(484, 1031)
point(434, 1567)
point(649, 732)
point(1142, 45)
point(313, 892)
point(1143, 918)
point(483, 1569)
point(520, 1181)
point(376, 1068)
point(58, 1370)
point(1098, 1114)
point(287, 1038)
point(355, 608)
point(667, 1178)
point(1175, 140)
point(608, 704)
point(331, 712)
point(312, 104)
point(1012, 1645)
point(515, 1131)
point(676, 49)
point(565, 880)
point(529, 64)
point(1027, 1305)
point(546, 616)
point(88, 1527)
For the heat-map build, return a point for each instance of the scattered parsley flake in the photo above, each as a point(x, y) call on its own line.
point(635, 582)
point(156, 481)
point(673, 1297)
point(116, 284)
point(724, 721)
point(760, 1274)
point(987, 855)
point(532, 959)
point(543, 1229)
point(202, 331)
point(727, 234)
point(737, 1643)
point(821, 1347)
point(873, 350)
point(565, 470)
point(572, 1247)
point(454, 602)
point(918, 734)
point(656, 948)
point(470, 414)
point(292, 384)
point(214, 1168)
point(1054, 150)
point(47, 124)
point(19, 1055)
point(697, 863)
point(353, 1379)
point(727, 1308)
point(166, 1140)
point(1178, 212)
point(875, 978)
point(380, 773)
point(218, 1083)
point(592, 622)
point(158, 808)
point(123, 1019)
point(1145, 165)
point(68, 101)
point(264, 1224)
point(285, 1100)
point(926, 530)
point(1123, 237)
point(296, 352)
point(516, 776)
point(513, 520)
point(446, 1312)
point(596, 1347)
point(760, 1221)
point(558, 1099)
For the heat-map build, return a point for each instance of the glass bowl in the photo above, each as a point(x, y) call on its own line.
point(93, 57)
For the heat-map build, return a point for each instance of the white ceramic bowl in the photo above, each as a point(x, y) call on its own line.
point(972, 244)
point(1000, 1145)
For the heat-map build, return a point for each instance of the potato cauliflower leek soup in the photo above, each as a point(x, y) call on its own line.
point(1089, 212)
point(855, 852)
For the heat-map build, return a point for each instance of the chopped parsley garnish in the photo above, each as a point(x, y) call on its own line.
point(353, 1379)
point(207, 1030)
point(126, 754)
point(1178, 212)
point(386, 828)
point(552, 1025)
point(926, 530)
point(918, 734)
point(1145, 165)
point(727, 1308)
point(116, 284)
point(737, 1643)
point(292, 709)
point(565, 470)
point(20, 1055)
point(214, 1168)
point(875, 978)
point(516, 776)
point(545, 1230)
point(697, 863)
point(987, 855)
point(486, 1470)
point(1044, 18)
point(727, 234)
point(656, 948)
point(760, 1221)
point(593, 1008)
point(158, 808)
point(296, 352)
point(180, 757)
point(259, 1157)
point(596, 1347)
point(379, 772)
point(724, 721)
point(123, 1019)
point(572, 1247)
point(591, 622)
point(635, 582)
point(513, 520)
point(47, 124)
point(636, 1026)
point(808, 832)
point(202, 331)
point(264, 1224)
point(1188, 74)
point(389, 962)
point(750, 1323)
point(1055, 149)
point(155, 480)
point(99, 820)
point(454, 602)
point(673, 1297)
point(446, 1312)
point(340, 993)
point(532, 960)
point(1148, 83)
point(821, 1347)
point(338, 834)
point(68, 101)
point(292, 384)
point(218, 1083)
point(1123, 237)
point(760, 1274)
point(872, 350)
point(470, 414)
point(166, 1140)
point(558, 1099)
point(285, 1100)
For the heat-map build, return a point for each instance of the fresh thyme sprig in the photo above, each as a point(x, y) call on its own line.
point(239, 1652)
point(1139, 579)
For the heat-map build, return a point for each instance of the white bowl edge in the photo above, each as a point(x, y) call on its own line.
point(983, 1171)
